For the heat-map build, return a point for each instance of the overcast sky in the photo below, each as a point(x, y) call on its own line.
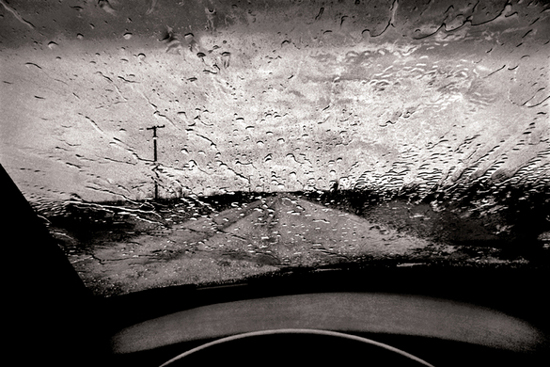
point(271, 96)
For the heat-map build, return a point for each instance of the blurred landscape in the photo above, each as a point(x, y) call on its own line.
point(123, 247)
point(291, 134)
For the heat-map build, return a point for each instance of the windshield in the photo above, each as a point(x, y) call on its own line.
point(198, 142)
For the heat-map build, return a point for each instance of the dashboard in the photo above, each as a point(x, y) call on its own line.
point(459, 317)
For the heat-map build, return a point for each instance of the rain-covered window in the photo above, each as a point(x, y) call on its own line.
point(198, 142)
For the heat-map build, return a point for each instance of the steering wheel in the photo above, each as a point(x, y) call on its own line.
point(296, 347)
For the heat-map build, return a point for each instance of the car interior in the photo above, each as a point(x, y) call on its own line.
point(275, 182)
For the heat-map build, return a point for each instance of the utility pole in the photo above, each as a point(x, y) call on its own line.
point(154, 128)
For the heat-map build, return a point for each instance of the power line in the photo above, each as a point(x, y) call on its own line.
point(154, 128)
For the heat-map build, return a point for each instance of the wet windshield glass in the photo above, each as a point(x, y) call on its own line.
point(193, 142)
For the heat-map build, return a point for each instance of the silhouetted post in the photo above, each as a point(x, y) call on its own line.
point(154, 128)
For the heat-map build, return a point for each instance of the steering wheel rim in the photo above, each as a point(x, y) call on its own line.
point(372, 343)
